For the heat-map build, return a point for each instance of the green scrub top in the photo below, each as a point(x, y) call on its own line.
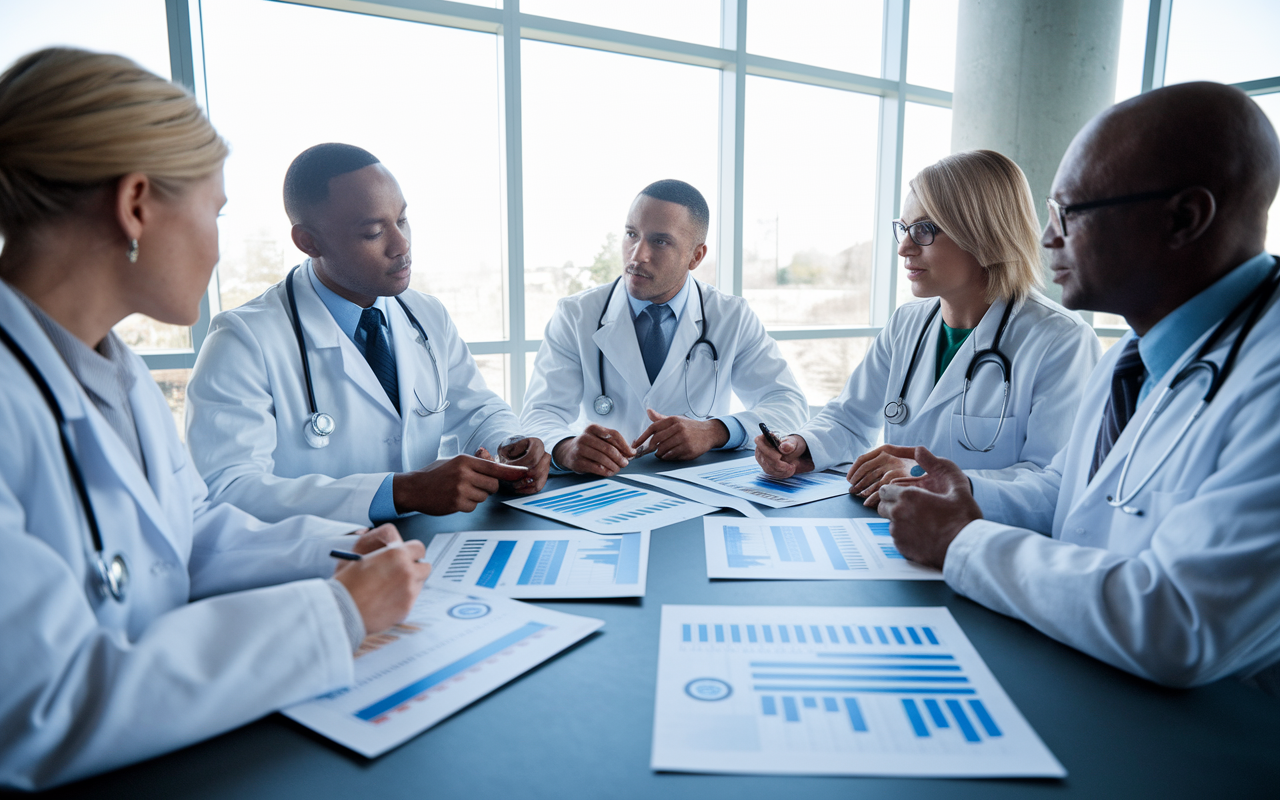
point(949, 341)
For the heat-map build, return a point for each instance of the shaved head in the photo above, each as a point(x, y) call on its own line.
point(1204, 163)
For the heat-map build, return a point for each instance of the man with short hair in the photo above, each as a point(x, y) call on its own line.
point(1163, 514)
point(334, 392)
point(648, 362)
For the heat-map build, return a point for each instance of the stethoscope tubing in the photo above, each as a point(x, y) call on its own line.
point(606, 402)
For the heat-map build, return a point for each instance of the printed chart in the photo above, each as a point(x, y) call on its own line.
point(809, 690)
point(542, 564)
point(611, 507)
point(779, 548)
point(455, 647)
point(743, 478)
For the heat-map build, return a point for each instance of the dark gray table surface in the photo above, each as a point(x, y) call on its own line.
point(580, 725)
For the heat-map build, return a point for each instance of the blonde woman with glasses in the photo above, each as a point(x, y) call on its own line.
point(984, 370)
point(136, 617)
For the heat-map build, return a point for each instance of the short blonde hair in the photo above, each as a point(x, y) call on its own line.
point(71, 121)
point(981, 200)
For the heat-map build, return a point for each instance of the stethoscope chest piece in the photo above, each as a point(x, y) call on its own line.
point(603, 405)
point(318, 428)
point(896, 411)
point(113, 576)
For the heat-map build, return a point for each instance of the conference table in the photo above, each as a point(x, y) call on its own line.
point(581, 724)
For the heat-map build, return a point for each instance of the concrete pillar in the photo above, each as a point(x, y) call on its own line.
point(1029, 74)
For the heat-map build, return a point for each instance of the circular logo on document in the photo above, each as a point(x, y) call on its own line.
point(469, 611)
point(707, 689)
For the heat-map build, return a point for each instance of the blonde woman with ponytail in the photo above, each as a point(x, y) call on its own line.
point(968, 237)
point(135, 617)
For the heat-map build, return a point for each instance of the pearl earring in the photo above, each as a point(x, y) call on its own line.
point(133, 251)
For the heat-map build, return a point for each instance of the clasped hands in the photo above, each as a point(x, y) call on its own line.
point(925, 513)
point(463, 482)
point(603, 451)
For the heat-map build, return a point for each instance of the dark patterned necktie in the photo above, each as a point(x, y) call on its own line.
point(377, 351)
point(1126, 384)
point(655, 346)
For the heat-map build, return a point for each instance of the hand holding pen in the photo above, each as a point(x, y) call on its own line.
point(782, 458)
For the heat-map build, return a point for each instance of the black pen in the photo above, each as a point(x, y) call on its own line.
point(345, 556)
point(771, 437)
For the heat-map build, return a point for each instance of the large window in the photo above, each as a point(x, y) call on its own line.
point(521, 130)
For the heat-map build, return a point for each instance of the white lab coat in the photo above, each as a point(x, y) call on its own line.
point(247, 406)
point(1051, 350)
point(566, 378)
point(1187, 592)
point(91, 684)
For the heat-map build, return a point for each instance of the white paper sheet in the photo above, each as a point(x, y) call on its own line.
point(781, 548)
point(454, 648)
point(697, 494)
point(802, 690)
point(743, 478)
point(561, 563)
point(611, 507)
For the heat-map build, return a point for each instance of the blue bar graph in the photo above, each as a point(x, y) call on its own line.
point(984, 719)
point(751, 633)
point(928, 634)
point(832, 637)
point(733, 540)
point(800, 634)
point(855, 715)
point(734, 633)
point(542, 567)
point(768, 634)
point(830, 704)
point(879, 528)
point(880, 635)
point(445, 673)
point(497, 563)
point(791, 542)
point(962, 720)
point(809, 702)
point(688, 632)
point(782, 634)
point(702, 633)
point(897, 635)
point(789, 709)
point(913, 715)
point(719, 633)
point(935, 711)
point(585, 500)
point(915, 637)
point(628, 560)
point(768, 707)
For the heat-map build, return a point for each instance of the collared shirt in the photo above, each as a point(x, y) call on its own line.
point(104, 373)
point(347, 315)
point(737, 432)
point(1169, 338)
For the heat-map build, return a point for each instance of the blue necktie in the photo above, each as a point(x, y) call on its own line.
point(654, 348)
point(377, 351)
point(1126, 384)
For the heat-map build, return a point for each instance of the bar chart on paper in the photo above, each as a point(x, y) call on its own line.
point(542, 564)
point(779, 548)
point(743, 478)
point(611, 507)
point(807, 690)
point(455, 647)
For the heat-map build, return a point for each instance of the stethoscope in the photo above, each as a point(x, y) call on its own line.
point(111, 577)
point(603, 404)
point(320, 425)
point(1255, 302)
point(896, 411)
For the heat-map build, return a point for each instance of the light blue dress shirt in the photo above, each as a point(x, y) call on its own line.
point(1169, 338)
point(347, 315)
point(677, 304)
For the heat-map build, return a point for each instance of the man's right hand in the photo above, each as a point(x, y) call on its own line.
point(385, 583)
point(596, 451)
point(458, 484)
point(793, 457)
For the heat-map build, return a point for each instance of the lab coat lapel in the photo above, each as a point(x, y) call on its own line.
point(322, 332)
point(417, 379)
point(617, 340)
point(951, 384)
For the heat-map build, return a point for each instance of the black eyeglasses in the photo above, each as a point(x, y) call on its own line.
point(921, 233)
point(1058, 212)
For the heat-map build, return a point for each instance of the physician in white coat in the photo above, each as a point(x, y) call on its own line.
point(649, 363)
point(988, 373)
point(335, 392)
point(1163, 549)
point(135, 616)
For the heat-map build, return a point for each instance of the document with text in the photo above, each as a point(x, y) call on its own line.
point(784, 548)
point(611, 507)
point(565, 563)
point(455, 647)
point(744, 478)
point(806, 690)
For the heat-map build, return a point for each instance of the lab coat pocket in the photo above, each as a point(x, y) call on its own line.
point(1133, 525)
point(982, 433)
